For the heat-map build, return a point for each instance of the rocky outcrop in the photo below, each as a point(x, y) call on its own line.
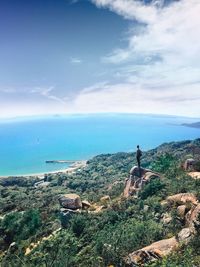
point(185, 235)
point(151, 253)
point(138, 178)
point(195, 175)
point(182, 198)
point(189, 165)
point(181, 211)
point(105, 200)
point(192, 217)
point(86, 204)
point(70, 201)
point(166, 218)
point(188, 209)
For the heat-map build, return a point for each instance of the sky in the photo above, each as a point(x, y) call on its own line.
point(99, 56)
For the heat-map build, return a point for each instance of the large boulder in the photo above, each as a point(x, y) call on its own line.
point(135, 171)
point(192, 217)
point(105, 200)
point(185, 235)
point(182, 198)
point(86, 204)
point(181, 210)
point(70, 201)
point(189, 165)
point(138, 178)
point(151, 253)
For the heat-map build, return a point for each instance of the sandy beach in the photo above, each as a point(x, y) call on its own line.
point(75, 166)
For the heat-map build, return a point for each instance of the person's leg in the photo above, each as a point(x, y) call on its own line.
point(138, 162)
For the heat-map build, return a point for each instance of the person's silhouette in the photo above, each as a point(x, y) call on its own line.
point(138, 156)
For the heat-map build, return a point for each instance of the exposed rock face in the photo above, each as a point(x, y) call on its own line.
point(105, 199)
point(181, 210)
point(70, 201)
point(86, 204)
point(185, 235)
point(167, 218)
point(159, 249)
point(138, 178)
point(189, 165)
point(194, 175)
point(192, 217)
point(153, 252)
point(182, 198)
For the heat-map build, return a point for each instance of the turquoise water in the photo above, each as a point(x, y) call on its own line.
point(25, 144)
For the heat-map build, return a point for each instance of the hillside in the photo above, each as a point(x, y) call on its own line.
point(35, 233)
point(193, 125)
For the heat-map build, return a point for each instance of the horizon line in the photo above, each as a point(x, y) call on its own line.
point(26, 117)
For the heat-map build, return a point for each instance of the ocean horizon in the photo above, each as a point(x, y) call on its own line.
point(27, 142)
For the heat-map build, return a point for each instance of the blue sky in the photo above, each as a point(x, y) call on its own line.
point(88, 56)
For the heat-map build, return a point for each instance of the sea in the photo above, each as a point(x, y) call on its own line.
point(27, 143)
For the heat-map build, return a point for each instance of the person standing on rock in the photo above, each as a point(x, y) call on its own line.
point(138, 156)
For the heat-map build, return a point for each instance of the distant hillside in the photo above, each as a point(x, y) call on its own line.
point(193, 125)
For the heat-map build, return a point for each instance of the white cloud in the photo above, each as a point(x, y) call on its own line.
point(157, 72)
point(161, 60)
point(130, 9)
point(75, 60)
point(47, 93)
point(131, 98)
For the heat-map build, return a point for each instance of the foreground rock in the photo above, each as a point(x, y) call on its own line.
point(182, 198)
point(192, 217)
point(188, 209)
point(138, 178)
point(70, 201)
point(194, 175)
point(153, 252)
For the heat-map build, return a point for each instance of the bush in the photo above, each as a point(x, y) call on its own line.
point(154, 186)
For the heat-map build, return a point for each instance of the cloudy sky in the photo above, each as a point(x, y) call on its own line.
point(88, 56)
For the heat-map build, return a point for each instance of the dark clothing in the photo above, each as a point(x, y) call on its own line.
point(138, 156)
point(138, 161)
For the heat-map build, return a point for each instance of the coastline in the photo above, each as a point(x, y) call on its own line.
point(77, 165)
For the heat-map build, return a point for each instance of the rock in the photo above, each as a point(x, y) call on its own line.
point(153, 252)
point(96, 209)
point(70, 201)
point(13, 246)
point(135, 171)
point(185, 235)
point(128, 185)
point(189, 164)
point(150, 175)
point(181, 210)
point(105, 199)
point(167, 218)
point(42, 184)
point(138, 178)
point(192, 217)
point(86, 204)
point(195, 175)
point(182, 198)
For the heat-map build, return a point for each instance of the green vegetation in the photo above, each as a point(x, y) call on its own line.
point(30, 214)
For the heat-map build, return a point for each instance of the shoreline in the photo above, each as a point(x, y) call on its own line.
point(77, 165)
